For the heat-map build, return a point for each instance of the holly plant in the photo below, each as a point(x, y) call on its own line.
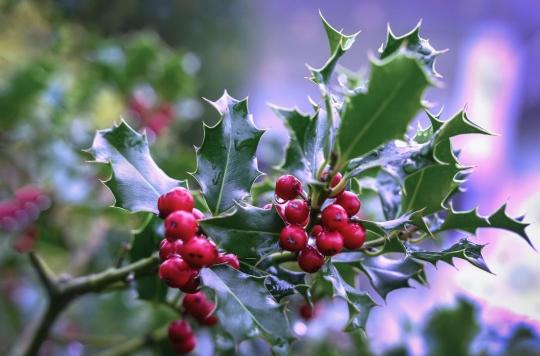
point(233, 249)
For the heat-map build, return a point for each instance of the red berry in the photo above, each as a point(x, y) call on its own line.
point(197, 305)
point(288, 187)
point(335, 180)
point(293, 238)
point(175, 272)
point(349, 201)
point(330, 243)
point(192, 285)
point(317, 229)
point(197, 214)
point(180, 225)
point(209, 320)
point(176, 199)
point(230, 259)
point(354, 236)
point(310, 260)
point(179, 330)
point(297, 211)
point(168, 249)
point(334, 216)
point(185, 346)
point(199, 252)
point(307, 312)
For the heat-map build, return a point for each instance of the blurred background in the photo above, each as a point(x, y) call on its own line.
point(69, 67)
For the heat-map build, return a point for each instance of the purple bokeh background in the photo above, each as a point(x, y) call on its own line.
point(492, 68)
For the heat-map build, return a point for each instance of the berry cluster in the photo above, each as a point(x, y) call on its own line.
point(17, 213)
point(183, 252)
point(180, 333)
point(332, 231)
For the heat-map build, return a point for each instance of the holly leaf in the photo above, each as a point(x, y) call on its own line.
point(463, 249)
point(282, 283)
point(308, 139)
point(359, 303)
point(247, 231)
point(470, 221)
point(413, 44)
point(245, 308)
point(457, 125)
point(339, 44)
point(385, 274)
point(383, 112)
point(136, 181)
point(144, 242)
point(226, 161)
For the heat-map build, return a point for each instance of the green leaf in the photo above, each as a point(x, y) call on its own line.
point(457, 125)
point(385, 274)
point(136, 181)
point(247, 232)
point(470, 221)
point(384, 111)
point(413, 44)
point(463, 249)
point(339, 44)
point(145, 242)
point(245, 308)
point(308, 139)
point(359, 303)
point(282, 283)
point(226, 161)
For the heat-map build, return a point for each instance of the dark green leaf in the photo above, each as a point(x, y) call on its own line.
point(385, 274)
point(248, 231)
point(145, 242)
point(282, 283)
point(136, 181)
point(463, 249)
point(384, 111)
point(359, 303)
point(244, 306)
point(226, 161)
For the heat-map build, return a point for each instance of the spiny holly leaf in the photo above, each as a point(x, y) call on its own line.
point(248, 231)
point(144, 242)
point(457, 125)
point(463, 249)
point(245, 308)
point(469, 221)
point(414, 44)
point(308, 138)
point(339, 44)
point(136, 181)
point(282, 283)
point(359, 303)
point(226, 161)
point(384, 111)
point(383, 228)
point(385, 274)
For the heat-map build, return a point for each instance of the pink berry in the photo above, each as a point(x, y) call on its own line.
point(335, 181)
point(293, 238)
point(330, 243)
point(197, 214)
point(180, 225)
point(334, 216)
point(200, 252)
point(354, 235)
point(179, 330)
point(176, 199)
point(310, 260)
point(288, 187)
point(168, 249)
point(175, 272)
point(230, 259)
point(349, 201)
point(297, 211)
point(317, 229)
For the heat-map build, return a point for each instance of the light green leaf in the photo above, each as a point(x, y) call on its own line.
point(136, 181)
point(248, 231)
point(226, 161)
point(245, 308)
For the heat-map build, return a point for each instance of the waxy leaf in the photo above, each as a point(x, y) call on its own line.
point(282, 283)
point(359, 303)
point(144, 243)
point(463, 249)
point(385, 274)
point(248, 231)
point(245, 308)
point(470, 221)
point(226, 161)
point(384, 111)
point(136, 181)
